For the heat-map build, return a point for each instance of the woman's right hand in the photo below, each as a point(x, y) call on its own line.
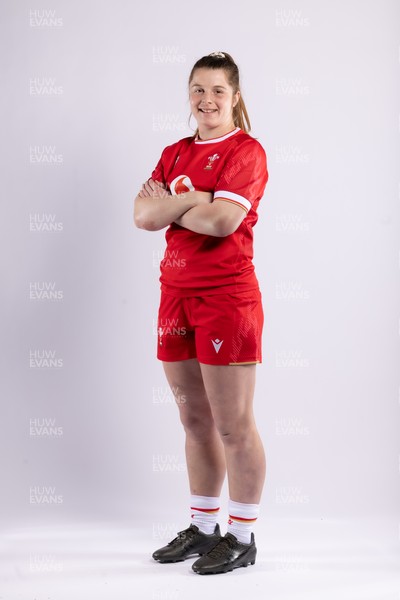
point(153, 188)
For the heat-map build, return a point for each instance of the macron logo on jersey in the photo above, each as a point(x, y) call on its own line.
point(181, 184)
point(217, 344)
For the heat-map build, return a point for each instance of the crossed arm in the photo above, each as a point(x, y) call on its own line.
point(155, 208)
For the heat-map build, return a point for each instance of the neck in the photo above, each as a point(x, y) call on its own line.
point(210, 133)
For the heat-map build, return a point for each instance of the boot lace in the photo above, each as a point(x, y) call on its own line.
point(186, 534)
point(224, 545)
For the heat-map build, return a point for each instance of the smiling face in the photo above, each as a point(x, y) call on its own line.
point(211, 101)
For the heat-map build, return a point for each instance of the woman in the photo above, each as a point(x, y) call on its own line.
point(206, 188)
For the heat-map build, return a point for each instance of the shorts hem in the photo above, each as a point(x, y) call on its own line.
point(213, 362)
point(247, 362)
point(163, 359)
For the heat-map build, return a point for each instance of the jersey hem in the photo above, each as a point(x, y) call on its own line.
point(199, 292)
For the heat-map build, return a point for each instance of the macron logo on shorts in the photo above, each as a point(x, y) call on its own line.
point(217, 344)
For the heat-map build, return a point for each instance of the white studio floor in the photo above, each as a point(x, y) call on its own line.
point(356, 559)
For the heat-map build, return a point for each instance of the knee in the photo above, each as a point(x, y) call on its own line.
point(198, 426)
point(236, 434)
point(194, 412)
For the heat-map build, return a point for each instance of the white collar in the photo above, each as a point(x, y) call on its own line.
point(221, 138)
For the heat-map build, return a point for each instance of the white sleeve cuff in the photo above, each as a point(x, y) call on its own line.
point(236, 198)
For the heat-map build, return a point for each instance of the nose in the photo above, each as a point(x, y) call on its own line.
point(207, 97)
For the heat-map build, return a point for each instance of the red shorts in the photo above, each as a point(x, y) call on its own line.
point(224, 329)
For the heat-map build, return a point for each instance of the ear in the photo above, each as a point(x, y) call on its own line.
point(236, 98)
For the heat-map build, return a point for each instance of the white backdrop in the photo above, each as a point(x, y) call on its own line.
point(92, 92)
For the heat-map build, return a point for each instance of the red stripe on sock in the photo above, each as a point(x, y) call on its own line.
point(208, 510)
point(242, 519)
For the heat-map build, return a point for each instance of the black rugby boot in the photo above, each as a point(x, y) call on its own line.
point(227, 554)
point(188, 542)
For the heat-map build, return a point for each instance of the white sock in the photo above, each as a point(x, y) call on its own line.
point(241, 519)
point(204, 512)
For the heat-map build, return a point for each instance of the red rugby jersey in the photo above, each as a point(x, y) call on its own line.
point(233, 167)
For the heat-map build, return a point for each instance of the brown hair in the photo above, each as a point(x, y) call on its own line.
point(223, 60)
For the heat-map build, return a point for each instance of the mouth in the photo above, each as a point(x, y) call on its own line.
point(207, 110)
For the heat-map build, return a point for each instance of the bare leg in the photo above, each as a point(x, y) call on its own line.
point(230, 391)
point(205, 456)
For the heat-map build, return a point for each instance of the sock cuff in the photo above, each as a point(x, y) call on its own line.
point(241, 511)
point(204, 502)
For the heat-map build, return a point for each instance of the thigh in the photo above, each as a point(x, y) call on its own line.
point(230, 391)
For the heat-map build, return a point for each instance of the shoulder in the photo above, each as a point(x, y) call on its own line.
point(172, 149)
point(245, 145)
point(245, 140)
